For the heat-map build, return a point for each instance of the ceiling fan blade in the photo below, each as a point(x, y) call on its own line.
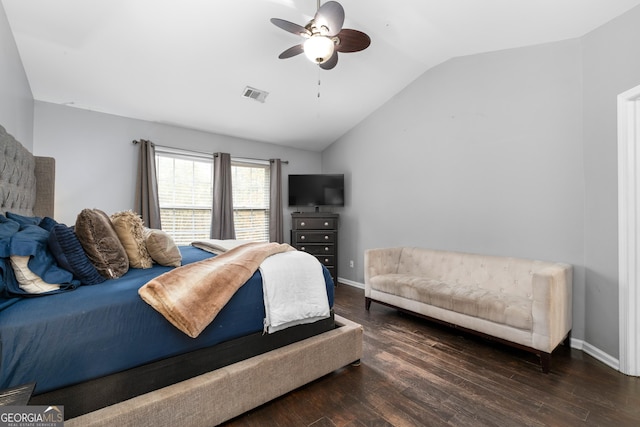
point(292, 51)
point(329, 18)
point(291, 27)
point(331, 62)
point(352, 41)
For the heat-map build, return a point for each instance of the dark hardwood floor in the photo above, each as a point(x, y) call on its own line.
point(417, 373)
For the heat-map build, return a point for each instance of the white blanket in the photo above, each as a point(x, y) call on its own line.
point(294, 290)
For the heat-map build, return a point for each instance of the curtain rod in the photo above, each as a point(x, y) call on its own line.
point(286, 162)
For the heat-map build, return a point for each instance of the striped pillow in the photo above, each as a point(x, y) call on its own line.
point(68, 252)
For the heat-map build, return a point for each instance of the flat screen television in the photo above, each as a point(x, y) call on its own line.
point(316, 190)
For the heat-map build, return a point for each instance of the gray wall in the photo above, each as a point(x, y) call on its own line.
point(96, 161)
point(506, 153)
point(16, 101)
point(480, 154)
point(611, 64)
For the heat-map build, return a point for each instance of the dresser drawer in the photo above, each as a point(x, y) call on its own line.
point(300, 237)
point(314, 224)
point(316, 233)
point(326, 260)
point(317, 250)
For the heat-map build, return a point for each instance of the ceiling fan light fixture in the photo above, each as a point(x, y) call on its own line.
point(324, 36)
point(318, 48)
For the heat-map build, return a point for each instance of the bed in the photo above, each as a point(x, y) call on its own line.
point(122, 361)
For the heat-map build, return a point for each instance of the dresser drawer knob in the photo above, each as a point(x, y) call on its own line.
point(302, 224)
point(326, 248)
point(326, 260)
point(326, 237)
point(302, 248)
point(302, 237)
point(326, 224)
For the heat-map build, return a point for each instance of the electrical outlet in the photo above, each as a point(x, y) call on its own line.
point(351, 263)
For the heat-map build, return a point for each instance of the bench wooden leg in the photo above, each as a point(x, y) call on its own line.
point(367, 303)
point(545, 362)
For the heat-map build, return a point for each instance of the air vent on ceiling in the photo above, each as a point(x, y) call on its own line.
point(253, 93)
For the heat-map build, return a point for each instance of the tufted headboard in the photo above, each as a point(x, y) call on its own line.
point(27, 182)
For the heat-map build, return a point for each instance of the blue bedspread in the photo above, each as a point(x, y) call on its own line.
point(64, 339)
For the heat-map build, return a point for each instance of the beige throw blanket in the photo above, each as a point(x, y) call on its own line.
point(191, 296)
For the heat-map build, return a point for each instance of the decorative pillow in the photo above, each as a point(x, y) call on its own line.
point(47, 223)
point(162, 248)
point(68, 252)
point(101, 243)
point(129, 228)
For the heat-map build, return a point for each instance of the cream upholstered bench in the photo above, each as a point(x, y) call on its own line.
point(521, 302)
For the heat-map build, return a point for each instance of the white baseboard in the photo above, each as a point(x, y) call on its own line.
point(591, 350)
point(596, 353)
point(350, 283)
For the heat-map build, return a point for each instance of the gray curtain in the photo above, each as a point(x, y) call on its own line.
point(147, 204)
point(276, 232)
point(222, 216)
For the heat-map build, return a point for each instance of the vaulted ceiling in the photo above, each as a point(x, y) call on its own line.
point(187, 62)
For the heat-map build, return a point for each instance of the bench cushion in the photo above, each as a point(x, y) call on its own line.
point(495, 306)
point(494, 273)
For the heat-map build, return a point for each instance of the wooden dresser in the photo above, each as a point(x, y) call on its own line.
point(317, 234)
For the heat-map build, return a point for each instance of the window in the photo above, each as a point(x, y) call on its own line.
point(185, 185)
point(250, 183)
point(185, 190)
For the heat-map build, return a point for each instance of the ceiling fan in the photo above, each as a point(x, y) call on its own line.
point(324, 36)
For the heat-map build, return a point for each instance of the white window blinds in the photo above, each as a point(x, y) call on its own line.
point(250, 183)
point(185, 193)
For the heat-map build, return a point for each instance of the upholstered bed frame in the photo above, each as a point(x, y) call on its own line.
point(27, 182)
point(209, 397)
